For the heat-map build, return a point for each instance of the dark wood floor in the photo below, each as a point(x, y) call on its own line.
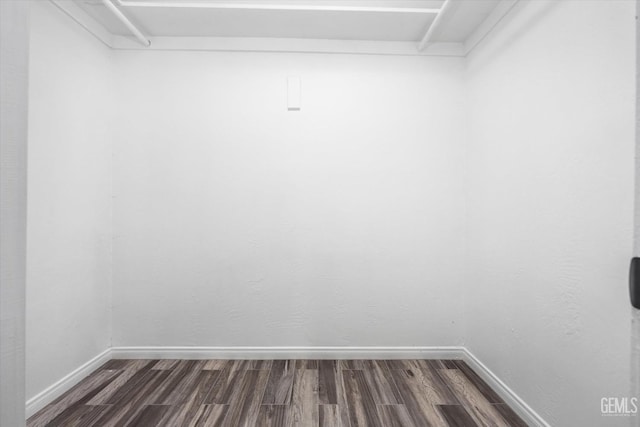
point(311, 393)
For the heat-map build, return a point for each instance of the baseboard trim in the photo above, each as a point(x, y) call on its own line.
point(510, 397)
point(287, 352)
point(530, 416)
point(63, 385)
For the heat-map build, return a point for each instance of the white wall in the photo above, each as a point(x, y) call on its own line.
point(636, 234)
point(238, 223)
point(69, 200)
point(552, 93)
point(14, 55)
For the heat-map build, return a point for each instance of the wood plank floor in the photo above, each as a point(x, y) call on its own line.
point(341, 393)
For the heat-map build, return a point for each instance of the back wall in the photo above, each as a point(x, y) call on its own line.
point(239, 223)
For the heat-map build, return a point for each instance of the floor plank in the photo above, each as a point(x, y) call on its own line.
point(509, 415)
point(328, 382)
point(182, 390)
point(417, 398)
point(182, 415)
point(273, 416)
point(137, 382)
point(358, 364)
point(83, 415)
point(280, 383)
point(166, 364)
point(210, 416)
point(304, 401)
point(341, 396)
point(431, 382)
point(254, 365)
point(456, 416)
point(479, 383)
point(395, 416)
point(79, 395)
point(151, 415)
point(163, 395)
point(223, 389)
point(90, 417)
point(329, 416)
point(474, 400)
point(306, 364)
point(215, 365)
point(382, 386)
point(129, 404)
point(362, 408)
point(131, 369)
point(117, 364)
point(244, 403)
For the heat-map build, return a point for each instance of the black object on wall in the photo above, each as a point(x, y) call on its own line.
point(634, 282)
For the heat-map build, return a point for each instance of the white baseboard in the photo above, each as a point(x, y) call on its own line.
point(512, 399)
point(287, 352)
point(57, 389)
point(525, 412)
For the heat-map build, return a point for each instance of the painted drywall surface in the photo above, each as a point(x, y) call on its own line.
point(551, 161)
point(14, 56)
point(69, 201)
point(635, 322)
point(636, 234)
point(239, 223)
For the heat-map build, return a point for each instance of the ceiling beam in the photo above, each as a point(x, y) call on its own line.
point(278, 6)
point(489, 24)
point(289, 45)
point(134, 30)
point(96, 29)
point(434, 25)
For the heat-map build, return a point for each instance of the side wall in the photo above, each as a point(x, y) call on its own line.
point(552, 97)
point(239, 223)
point(14, 48)
point(69, 218)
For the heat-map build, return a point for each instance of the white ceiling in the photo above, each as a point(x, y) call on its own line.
point(391, 20)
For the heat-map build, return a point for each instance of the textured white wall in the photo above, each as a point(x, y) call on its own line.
point(240, 223)
point(636, 235)
point(552, 98)
point(635, 322)
point(69, 216)
point(14, 54)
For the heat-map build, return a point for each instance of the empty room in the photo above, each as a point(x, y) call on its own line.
point(393, 213)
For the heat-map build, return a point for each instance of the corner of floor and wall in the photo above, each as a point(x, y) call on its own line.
point(69, 226)
point(176, 210)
